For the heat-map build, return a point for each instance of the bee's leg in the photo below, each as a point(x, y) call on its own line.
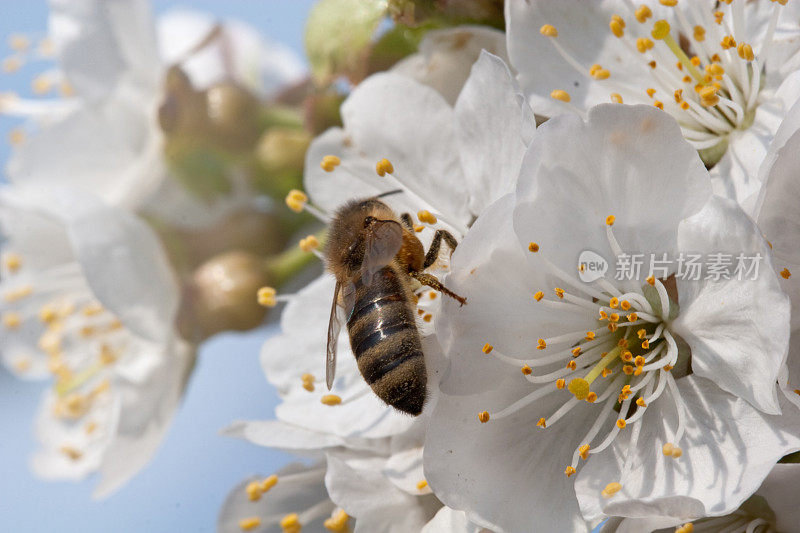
point(432, 282)
point(407, 221)
point(433, 251)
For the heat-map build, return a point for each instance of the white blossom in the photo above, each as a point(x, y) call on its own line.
point(665, 387)
point(725, 70)
point(88, 296)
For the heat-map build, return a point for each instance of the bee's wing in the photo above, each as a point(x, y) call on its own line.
point(382, 244)
point(339, 310)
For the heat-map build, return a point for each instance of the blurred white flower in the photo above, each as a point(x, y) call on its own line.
point(114, 61)
point(88, 296)
point(729, 97)
point(291, 500)
point(772, 509)
point(667, 387)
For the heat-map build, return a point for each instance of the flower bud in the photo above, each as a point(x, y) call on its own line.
point(232, 112)
point(221, 296)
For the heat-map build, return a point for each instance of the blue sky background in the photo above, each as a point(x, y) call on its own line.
point(183, 487)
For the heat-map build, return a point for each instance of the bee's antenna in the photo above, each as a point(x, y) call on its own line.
point(387, 193)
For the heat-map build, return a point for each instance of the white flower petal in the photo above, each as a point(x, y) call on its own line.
point(148, 399)
point(737, 329)
point(376, 503)
point(493, 126)
point(123, 262)
point(277, 434)
point(299, 487)
point(445, 57)
point(728, 450)
point(626, 161)
point(102, 44)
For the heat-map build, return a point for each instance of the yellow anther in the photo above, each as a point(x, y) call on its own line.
point(624, 305)
point(576, 351)
point(708, 96)
point(538, 296)
point(699, 34)
point(715, 69)
point(309, 243)
point(561, 383)
point(589, 335)
point(12, 262)
point(383, 167)
point(642, 13)
point(639, 361)
point(603, 315)
point(606, 372)
point(617, 26)
point(253, 490)
point(591, 397)
point(583, 451)
point(676, 452)
point(561, 95)
point(331, 399)
point(616, 98)
point(651, 280)
point(307, 377)
point(268, 482)
point(18, 293)
point(526, 370)
point(610, 219)
point(628, 370)
point(611, 489)
point(685, 105)
point(309, 386)
point(613, 303)
point(633, 317)
point(668, 3)
point(621, 423)
point(688, 527)
point(612, 327)
point(426, 217)
point(487, 348)
point(600, 74)
point(483, 416)
point(686, 79)
point(559, 292)
point(421, 484)
point(716, 59)
point(247, 524)
point(548, 30)
point(718, 16)
point(418, 228)
point(267, 296)
point(330, 162)
point(678, 95)
point(613, 317)
point(659, 104)
point(579, 388)
point(652, 64)
point(542, 423)
point(642, 333)
point(622, 343)
point(72, 453)
point(338, 522)
point(296, 199)
point(291, 523)
point(695, 61)
point(541, 344)
point(646, 344)
point(533, 247)
point(92, 309)
point(569, 471)
point(667, 449)
point(427, 317)
point(640, 402)
point(572, 365)
point(728, 42)
point(626, 355)
point(785, 274)
point(660, 30)
point(667, 368)
point(650, 92)
point(11, 320)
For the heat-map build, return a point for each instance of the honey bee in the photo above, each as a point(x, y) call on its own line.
point(376, 256)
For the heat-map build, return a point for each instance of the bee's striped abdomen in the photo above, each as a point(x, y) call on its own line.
point(386, 344)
